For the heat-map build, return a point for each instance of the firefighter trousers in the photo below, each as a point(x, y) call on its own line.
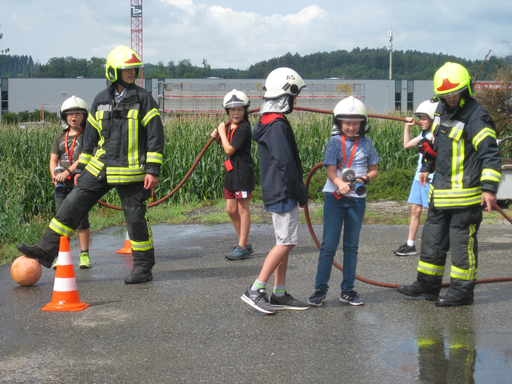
point(84, 196)
point(455, 230)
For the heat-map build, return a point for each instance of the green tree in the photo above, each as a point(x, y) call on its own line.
point(96, 68)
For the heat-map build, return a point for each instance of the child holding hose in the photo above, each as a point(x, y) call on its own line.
point(66, 148)
point(349, 148)
point(235, 138)
point(418, 196)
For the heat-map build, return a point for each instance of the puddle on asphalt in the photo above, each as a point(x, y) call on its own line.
point(455, 358)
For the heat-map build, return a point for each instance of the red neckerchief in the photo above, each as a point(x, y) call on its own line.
point(270, 117)
point(69, 154)
point(353, 151)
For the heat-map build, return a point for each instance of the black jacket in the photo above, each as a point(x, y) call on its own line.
point(468, 158)
point(125, 139)
point(280, 165)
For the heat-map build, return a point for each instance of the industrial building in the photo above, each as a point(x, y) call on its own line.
point(204, 96)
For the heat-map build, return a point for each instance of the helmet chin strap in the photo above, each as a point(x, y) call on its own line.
point(124, 83)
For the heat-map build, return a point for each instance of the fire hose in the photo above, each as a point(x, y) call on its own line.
point(306, 210)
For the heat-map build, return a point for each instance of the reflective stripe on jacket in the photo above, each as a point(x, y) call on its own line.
point(468, 159)
point(126, 138)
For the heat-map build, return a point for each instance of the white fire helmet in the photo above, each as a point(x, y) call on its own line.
point(73, 104)
point(235, 99)
point(283, 81)
point(426, 108)
point(350, 109)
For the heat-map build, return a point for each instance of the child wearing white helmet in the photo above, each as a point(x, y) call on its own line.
point(348, 151)
point(282, 188)
point(418, 196)
point(66, 149)
point(236, 137)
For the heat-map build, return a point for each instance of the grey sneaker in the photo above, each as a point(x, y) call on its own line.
point(258, 300)
point(249, 249)
point(351, 297)
point(238, 254)
point(317, 298)
point(287, 302)
point(405, 250)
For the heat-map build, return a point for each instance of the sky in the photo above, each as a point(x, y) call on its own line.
point(237, 34)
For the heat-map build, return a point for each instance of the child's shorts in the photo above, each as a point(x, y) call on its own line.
point(286, 227)
point(228, 195)
point(419, 194)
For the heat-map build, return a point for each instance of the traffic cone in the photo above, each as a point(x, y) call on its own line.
point(127, 249)
point(65, 293)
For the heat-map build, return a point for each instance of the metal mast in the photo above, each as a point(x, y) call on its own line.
point(136, 21)
point(390, 38)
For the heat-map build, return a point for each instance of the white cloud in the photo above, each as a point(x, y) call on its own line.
point(230, 33)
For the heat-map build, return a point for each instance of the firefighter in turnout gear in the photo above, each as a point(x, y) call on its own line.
point(467, 174)
point(123, 145)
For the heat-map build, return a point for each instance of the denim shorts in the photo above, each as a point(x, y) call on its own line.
point(419, 194)
point(286, 227)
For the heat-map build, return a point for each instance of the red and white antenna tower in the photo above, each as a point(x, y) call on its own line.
point(136, 17)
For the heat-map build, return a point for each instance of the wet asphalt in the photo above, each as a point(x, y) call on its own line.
point(189, 325)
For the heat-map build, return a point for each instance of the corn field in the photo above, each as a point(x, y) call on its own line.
point(27, 191)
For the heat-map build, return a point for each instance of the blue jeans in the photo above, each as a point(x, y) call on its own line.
point(348, 211)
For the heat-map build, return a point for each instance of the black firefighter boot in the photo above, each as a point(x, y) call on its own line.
point(426, 286)
point(35, 252)
point(461, 292)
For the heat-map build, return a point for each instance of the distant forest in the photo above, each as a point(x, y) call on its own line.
point(357, 64)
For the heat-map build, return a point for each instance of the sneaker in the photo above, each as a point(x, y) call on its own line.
point(238, 253)
point(54, 265)
point(351, 297)
point(35, 252)
point(85, 261)
point(258, 300)
point(405, 250)
point(287, 302)
point(138, 276)
point(249, 249)
point(317, 298)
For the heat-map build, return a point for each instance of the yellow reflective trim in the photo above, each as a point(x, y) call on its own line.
point(154, 112)
point(94, 171)
point(96, 163)
point(119, 179)
point(471, 252)
point(141, 245)
point(427, 342)
point(60, 228)
point(133, 137)
point(84, 158)
point(124, 171)
point(460, 192)
point(456, 131)
point(457, 163)
point(461, 274)
point(93, 121)
point(491, 175)
point(430, 269)
point(456, 203)
point(144, 245)
point(154, 157)
point(482, 135)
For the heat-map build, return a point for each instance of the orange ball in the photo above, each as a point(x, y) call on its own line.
point(26, 271)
